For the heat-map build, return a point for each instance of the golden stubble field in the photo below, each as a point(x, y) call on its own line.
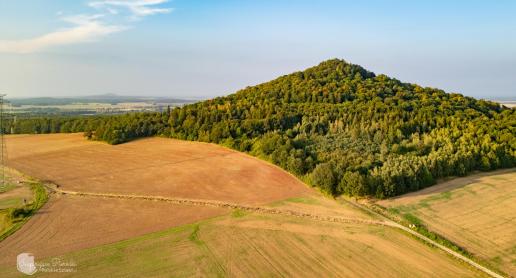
point(476, 212)
point(254, 245)
point(131, 237)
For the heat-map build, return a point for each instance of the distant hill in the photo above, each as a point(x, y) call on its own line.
point(497, 99)
point(506, 102)
point(104, 98)
point(340, 128)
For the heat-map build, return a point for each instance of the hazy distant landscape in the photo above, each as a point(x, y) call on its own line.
point(342, 130)
point(90, 105)
point(507, 103)
point(160, 138)
point(113, 104)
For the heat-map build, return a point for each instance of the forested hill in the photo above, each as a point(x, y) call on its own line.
point(337, 125)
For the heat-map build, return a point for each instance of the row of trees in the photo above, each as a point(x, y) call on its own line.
point(337, 125)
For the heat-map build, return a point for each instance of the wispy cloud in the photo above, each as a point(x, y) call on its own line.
point(138, 8)
point(86, 27)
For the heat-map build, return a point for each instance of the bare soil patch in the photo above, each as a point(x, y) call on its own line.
point(153, 166)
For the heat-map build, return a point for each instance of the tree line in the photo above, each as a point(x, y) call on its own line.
point(337, 126)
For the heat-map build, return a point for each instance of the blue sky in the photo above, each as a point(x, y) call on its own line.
point(188, 48)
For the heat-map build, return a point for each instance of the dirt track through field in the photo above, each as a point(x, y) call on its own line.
point(219, 204)
point(477, 212)
point(152, 172)
point(258, 209)
point(432, 242)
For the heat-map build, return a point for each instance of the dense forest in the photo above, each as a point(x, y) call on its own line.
point(336, 125)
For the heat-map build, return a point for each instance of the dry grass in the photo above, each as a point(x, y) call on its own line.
point(476, 212)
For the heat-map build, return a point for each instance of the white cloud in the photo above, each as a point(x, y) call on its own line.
point(86, 28)
point(138, 8)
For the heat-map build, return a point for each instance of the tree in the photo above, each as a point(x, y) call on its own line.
point(336, 123)
point(354, 184)
point(324, 177)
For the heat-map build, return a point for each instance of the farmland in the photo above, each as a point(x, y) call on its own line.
point(150, 236)
point(67, 224)
point(237, 245)
point(476, 212)
point(88, 105)
point(154, 166)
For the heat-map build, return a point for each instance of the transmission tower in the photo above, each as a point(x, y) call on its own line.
point(3, 150)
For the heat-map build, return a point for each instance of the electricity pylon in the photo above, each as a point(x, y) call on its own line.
point(3, 150)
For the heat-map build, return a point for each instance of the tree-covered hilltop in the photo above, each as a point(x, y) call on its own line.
point(337, 125)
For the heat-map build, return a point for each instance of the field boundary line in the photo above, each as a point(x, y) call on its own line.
point(220, 204)
point(391, 223)
point(266, 210)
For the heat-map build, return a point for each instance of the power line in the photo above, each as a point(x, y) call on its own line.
point(3, 151)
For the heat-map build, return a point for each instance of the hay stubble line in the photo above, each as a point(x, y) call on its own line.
point(219, 204)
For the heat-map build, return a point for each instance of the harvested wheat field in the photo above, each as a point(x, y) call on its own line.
point(68, 223)
point(125, 223)
point(240, 245)
point(476, 212)
point(153, 166)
